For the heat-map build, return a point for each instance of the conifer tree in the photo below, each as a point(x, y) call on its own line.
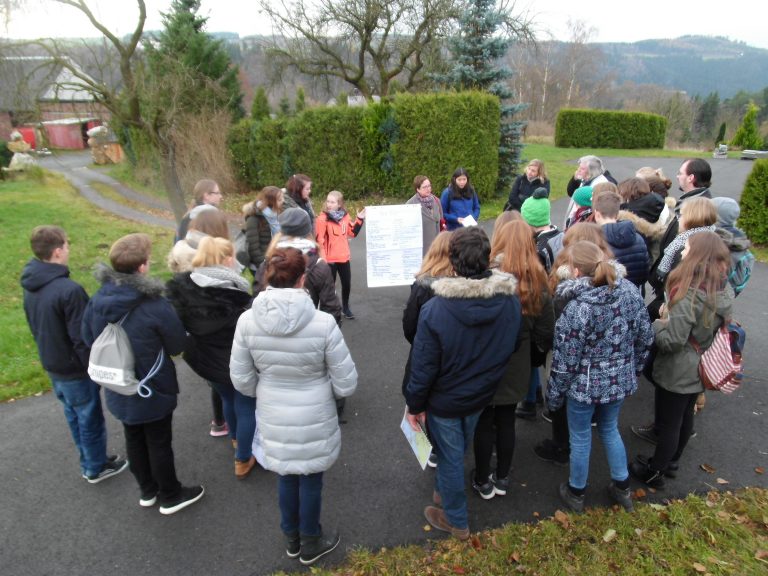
point(260, 106)
point(748, 137)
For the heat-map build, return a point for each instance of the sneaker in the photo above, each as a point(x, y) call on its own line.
point(647, 475)
point(148, 500)
point(242, 469)
point(315, 547)
point(436, 518)
point(485, 490)
point(500, 485)
point(526, 411)
point(292, 545)
point(348, 313)
point(551, 452)
point(187, 496)
point(110, 469)
point(622, 497)
point(218, 430)
point(647, 433)
point(432, 462)
point(672, 467)
point(547, 415)
point(571, 501)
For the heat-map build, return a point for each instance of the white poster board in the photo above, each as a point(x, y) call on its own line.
point(393, 244)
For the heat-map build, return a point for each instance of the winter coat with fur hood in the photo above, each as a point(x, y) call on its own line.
point(295, 358)
point(152, 325)
point(466, 335)
point(602, 340)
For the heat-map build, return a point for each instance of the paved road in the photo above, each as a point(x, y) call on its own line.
point(52, 522)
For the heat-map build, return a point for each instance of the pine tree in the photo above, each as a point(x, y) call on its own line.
point(476, 53)
point(301, 100)
point(748, 137)
point(704, 125)
point(260, 106)
point(199, 66)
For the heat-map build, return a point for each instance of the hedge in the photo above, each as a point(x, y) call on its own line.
point(377, 148)
point(754, 204)
point(609, 129)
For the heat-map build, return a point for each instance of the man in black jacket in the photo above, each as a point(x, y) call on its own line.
point(54, 307)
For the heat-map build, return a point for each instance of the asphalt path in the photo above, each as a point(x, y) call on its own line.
point(53, 522)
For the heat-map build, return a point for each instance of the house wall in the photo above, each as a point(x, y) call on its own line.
point(59, 110)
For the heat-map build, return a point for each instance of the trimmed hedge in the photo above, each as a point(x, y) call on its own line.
point(377, 148)
point(609, 129)
point(754, 204)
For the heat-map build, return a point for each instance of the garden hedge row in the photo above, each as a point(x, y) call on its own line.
point(754, 204)
point(609, 129)
point(377, 148)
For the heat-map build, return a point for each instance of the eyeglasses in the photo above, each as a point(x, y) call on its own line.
point(425, 186)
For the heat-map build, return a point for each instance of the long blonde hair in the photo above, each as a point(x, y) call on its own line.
point(704, 266)
point(436, 262)
point(212, 252)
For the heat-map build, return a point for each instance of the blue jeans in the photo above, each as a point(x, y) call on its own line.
point(240, 415)
point(300, 498)
point(580, 429)
point(533, 386)
point(82, 408)
point(451, 438)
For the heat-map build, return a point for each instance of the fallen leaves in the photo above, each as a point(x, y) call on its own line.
point(609, 535)
point(427, 527)
point(707, 468)
point(722, 481)
point(639, 493)
point(760, 470)
point(562, 519)
point(699, 567)
point(761, 555)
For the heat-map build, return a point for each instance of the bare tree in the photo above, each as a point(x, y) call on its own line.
point(366, 43)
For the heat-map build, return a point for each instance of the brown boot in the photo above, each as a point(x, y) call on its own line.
point(242, 469)
point(436, 518)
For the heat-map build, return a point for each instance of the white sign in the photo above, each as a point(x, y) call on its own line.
point(393, 244)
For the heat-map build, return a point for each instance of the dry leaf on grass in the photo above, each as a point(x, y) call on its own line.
point(699, 567)
point(722, 481)
point(427, 527)
point(761, 554)
point(609, 535)
point(476, 544)
point(638, 532)
point(639, 493)
point(562, 518)
point(458, 570)
point(536, 514)
point(707, 468)
point(514, 557)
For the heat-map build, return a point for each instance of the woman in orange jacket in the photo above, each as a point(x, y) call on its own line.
point(334, 228)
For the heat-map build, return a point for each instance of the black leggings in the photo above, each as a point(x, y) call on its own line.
point(496, 426)
point(345, 273)
point(674, 424)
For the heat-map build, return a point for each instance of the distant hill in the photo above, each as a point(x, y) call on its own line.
point(695, 64)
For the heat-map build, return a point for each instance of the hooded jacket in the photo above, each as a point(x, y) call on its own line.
point(54, 305)
point(209, 306)
point(297, 360)
point(629, 249)
point(152, 325)
point(466, 335)
point(258, 234)
point(602, 340)
point(676, 366)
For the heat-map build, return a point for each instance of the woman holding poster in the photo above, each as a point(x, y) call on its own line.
point(459, 200)
point(431, 211)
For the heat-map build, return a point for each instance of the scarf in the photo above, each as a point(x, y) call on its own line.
point(219, 277)
point(336, 215)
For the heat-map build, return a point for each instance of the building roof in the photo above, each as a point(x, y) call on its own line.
point(26, 80)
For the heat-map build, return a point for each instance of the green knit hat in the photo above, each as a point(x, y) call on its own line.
point(583, 196)
point(536, 208)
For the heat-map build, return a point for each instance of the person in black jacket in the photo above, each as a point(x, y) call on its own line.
point(535, 176)
point(53, 305)
point(209, 300)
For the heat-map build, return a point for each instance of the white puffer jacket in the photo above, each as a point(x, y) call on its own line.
point(296, 358)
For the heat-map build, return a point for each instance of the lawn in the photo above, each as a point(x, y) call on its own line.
point(25, 204)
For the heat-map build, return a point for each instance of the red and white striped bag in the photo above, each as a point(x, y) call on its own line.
point(721, 367)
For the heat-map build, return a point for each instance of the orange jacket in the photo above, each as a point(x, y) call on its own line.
point(333, 236)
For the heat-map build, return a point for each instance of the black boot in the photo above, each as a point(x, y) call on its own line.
point(315, 547)
point(647, 475)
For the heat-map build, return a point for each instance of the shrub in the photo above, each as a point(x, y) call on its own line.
point(747, 136)
point(5, 154)
point(754, 204)
point(609, 129)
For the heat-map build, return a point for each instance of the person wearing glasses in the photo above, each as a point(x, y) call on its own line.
point(432, 221)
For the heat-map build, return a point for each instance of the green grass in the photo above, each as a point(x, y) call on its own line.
point(25, 204)
point(718, 533)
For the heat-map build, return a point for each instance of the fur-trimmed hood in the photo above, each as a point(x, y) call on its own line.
point(121, 292)
point(653, 231)
point(476, 301)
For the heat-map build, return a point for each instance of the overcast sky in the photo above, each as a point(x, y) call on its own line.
point(613, 21)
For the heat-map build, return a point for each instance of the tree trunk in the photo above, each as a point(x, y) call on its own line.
point(172, 183)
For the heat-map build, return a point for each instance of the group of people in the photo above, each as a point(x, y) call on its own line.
point(484, 315)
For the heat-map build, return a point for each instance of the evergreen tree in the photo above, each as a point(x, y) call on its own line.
point(704, 125)
point(301, 101)
point(720, 134)
point(285, 106)
point(748, 137)
point(477, 51)
point(260, 107)
point(197, 66)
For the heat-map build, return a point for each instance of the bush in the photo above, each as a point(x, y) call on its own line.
point(5, 154)
point(754, 204)
point(747, 136)
point(609, 129)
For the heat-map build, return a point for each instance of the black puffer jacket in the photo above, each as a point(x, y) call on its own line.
point(210, 316)
point(522, 188)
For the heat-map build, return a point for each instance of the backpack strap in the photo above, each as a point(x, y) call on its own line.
point(143, 389)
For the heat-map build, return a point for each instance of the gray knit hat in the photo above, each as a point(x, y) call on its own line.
point(294, 222)
point(728, 210)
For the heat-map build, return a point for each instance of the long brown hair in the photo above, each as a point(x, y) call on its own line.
point(514, 242)
point(592, 262)
point(704, 267)
point(589, 231)
point(436, 261)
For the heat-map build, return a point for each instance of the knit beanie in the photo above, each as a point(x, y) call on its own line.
point(536, 208)
point(294, 222)
point(583, 196)
point(728, 211)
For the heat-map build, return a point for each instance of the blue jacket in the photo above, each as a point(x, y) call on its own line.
point(151, 325)
point(629, 249)
point(465, 337)
point(54, 305)
point(454, 208)
point(602, 340)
